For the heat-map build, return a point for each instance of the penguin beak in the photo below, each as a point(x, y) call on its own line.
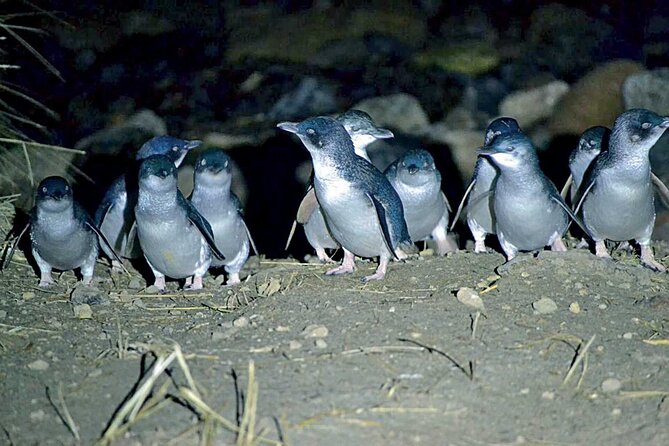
point(665, 123)
point(288, 126)
point(195, 143)
point(412, 168)
point(379, 133)
point(162, 173)
point(485, 151)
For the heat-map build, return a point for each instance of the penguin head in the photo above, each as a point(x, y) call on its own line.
point(639, 128)
point(213, 168)
point(320, 134)
point(416, 167)
point(157, 172)
point(500, 126)
point(593, 140)
point(361, 128)
point(54, 194)
point(173, 148)
point(510, 151)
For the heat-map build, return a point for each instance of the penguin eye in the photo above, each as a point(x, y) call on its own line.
point(175, 148)
point(646, 125)
point(226, 164)
point(592, 142)
point(44, 189)
point(311, 131)
point(509, 148)
point(203, 163)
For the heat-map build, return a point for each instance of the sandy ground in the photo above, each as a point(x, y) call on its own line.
point(401, 361)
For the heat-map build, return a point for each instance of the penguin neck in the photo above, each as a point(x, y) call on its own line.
point(636, 159)
point(327, 166)
point(58, 222)
point(217, 195)
point(361, 150)
point(523, 177)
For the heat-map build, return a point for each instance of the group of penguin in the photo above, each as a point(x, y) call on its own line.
point(353, 205)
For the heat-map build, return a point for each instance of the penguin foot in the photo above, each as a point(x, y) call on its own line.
point(582, 244)
point(379, 274)
point(233, 279)
point(160, 283)
point(601, 251)
point(448, 245)
point(347, 265)
point(322, 256)
point(648, 260)
point(86, 280)
point(46, 280)
point(558, 246)
point(479, 247)
point(194, 283)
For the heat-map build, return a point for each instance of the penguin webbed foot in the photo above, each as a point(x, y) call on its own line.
point(116, 267)
point(648, 260)
point(380, 272)
point(45, 280)
point(347, 265)
point(193, 283)
point(479, 247)
point(160, 283)
point(601, 251)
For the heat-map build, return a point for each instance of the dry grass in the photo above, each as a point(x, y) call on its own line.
point(152, 393)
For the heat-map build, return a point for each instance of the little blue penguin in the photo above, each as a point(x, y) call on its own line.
point(62, 234)
point(361, 208)
point(114, 215)
point(590, 144)
point(176, 240)
point(529, 212)
point(221, 208)
point(478, 195)
point(363, 132)
point(616, 197)
point(418, 183)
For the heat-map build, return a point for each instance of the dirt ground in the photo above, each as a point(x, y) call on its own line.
point(401, 361)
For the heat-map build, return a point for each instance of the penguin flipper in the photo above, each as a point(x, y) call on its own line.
point(248, 234)
point(448, 205)
point(582, 196)
point(558, 199)
point(462, 203)
point(307, 207)
point(567, 186)
point(11, 248)
point(202, 225)
point(132, 238)
point(290, 236)
point(103, 240)
point(661, 188)
point(383, 221)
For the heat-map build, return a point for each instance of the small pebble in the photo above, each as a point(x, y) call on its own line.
point(83, 311)
point(470, 298)
point(628, 335)
point(524, 274)
point(548, 395)
point(40, 365)
point(320, 343)
point(135, 284)
point(574, 307)
point(282, 329)
point(616, 412)
point(152, 289)
point(240, 322)
point(294, 345)
point(611, 385)
point(525, 391)
point(88, 295)
point(28, 295)
point(3, 314)
point(37, 415)
point(391, 310)
point(315, 331)
point(602, 306)
point(427, 252)
point(545, 305)
point(95, 373)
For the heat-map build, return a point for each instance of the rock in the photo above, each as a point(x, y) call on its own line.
point(320, 343)
point(37, 415)
point(315, 331)
point(241, 322)
point(152, 289)
point(611, 385)
point(471, 58)
point(294, 345)
point(649, 89)
point(574, 307)
point(470, 298)
point(544, 305)
point(28, 295)
point(132, 133)
point(463, 145)
point(3, 314)
point(401, 112)
point(135, 284)
point(39, 365)
point(83, 311)
point(595, 99)
point(311, 97)
point(88, 295)
point(531, 106)
point(564, 40)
